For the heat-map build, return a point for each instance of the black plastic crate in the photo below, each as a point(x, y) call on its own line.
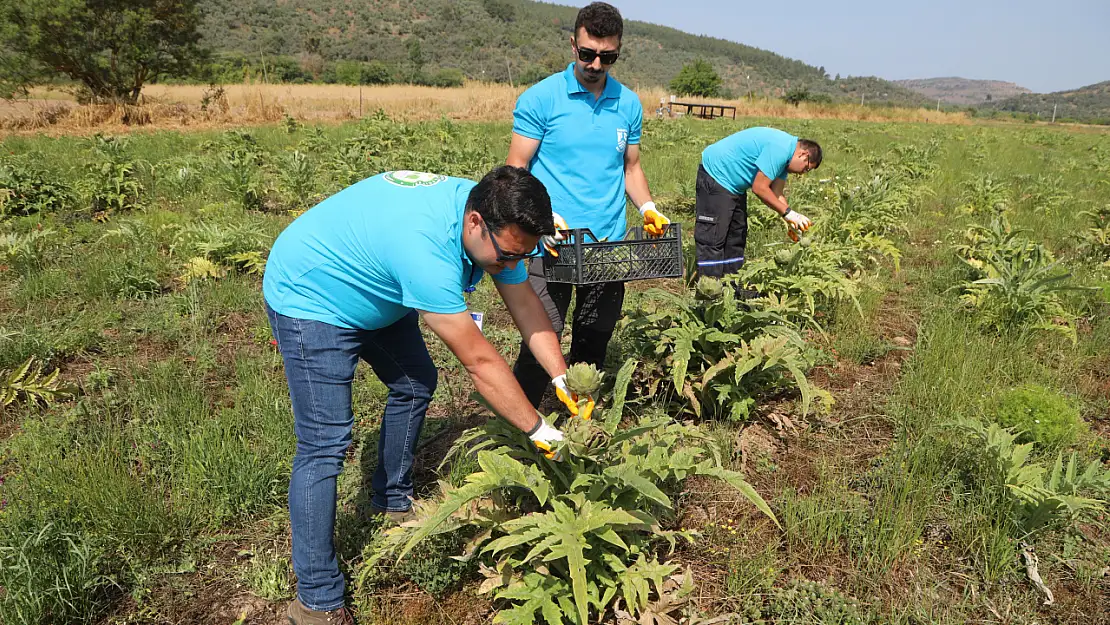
point(583, 259)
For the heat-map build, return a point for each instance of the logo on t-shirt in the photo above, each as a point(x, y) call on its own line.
point(622, 139)
point(412, 179)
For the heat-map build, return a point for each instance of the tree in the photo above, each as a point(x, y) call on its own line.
point(697, 78)
point(376, 73)
point(312, 65)
point(112, 47)
point(416, 54)
point(348, 72)
point(16, 74)
point(499, 10)
point(798, 95)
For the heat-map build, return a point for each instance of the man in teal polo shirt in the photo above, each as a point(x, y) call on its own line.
point(756, 159)
point(579, 132)
point(347, 280)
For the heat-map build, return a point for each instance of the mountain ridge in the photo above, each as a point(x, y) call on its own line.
point(960, 91)
point(503, 40)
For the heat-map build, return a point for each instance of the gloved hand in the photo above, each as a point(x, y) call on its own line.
point(550, 240)
point(571, 399)
point(543, 436)
point(795, 223)
point(653, 219)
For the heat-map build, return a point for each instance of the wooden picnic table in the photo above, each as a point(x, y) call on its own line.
point(706, 111)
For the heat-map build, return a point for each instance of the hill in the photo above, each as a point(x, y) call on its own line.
point(963, 91)
point(498, 40)
point(1090, 104)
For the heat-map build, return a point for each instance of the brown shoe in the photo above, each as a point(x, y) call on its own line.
point(298, 614)
point(397, 517)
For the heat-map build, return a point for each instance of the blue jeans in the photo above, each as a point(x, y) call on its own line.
point(320, 362)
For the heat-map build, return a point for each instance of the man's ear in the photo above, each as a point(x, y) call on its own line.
point(472, 220)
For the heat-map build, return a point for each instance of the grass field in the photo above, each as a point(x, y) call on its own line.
point(956, 284)
point(174, 106)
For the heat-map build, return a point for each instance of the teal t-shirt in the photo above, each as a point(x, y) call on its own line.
point(582, 144)
point(734, 160)
point(366, 256)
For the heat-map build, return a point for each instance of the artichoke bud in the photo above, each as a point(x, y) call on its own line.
point(584, 379)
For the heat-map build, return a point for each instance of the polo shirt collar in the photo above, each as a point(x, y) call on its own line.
point(612, 88)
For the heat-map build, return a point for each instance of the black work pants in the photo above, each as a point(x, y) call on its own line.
point(721, 227)
point(597, 309)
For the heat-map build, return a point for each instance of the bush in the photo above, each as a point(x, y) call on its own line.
point(442, 78)
point(358, 73)
point(1043, 415)
point(376, 73)
point(348, 72)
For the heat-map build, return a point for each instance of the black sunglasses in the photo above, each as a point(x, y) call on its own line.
point(502, 257)
point(586, 55)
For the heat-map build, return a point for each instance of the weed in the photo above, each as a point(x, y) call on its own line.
point(1039, 495)
point(1042, 415)
point(27, 385)
point(269, 575)
point(27, 190)
point(808, 602)
point(51, 575)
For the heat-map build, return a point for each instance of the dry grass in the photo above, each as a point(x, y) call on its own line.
point(651, 96)
point(165, 106)
point(170, 106)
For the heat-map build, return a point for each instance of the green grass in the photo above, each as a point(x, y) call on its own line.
point(181, 434)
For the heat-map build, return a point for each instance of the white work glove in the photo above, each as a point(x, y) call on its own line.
point(653, 219)
point(550, 240)
point(796, 222)
point(543, 436)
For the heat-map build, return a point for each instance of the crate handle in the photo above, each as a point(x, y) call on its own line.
point(637, 233)
point(578, 235)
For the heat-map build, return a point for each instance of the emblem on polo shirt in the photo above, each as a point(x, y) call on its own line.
point(412, 179)
point(622, 139)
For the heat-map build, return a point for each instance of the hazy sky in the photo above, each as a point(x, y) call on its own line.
point(1043, 46)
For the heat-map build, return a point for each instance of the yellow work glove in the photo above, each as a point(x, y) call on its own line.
point(572, 400)
point(551, 240)
point(544, 437)
point(653, 219)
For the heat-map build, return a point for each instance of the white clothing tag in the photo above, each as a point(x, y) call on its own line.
point(478, 318)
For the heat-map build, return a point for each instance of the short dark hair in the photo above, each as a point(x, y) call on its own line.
point(510, 195)
point(600, 19)
point(813, 149)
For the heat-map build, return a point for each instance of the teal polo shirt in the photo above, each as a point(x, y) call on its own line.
point(734, 160)
point(582, 144)
point(368, 255)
